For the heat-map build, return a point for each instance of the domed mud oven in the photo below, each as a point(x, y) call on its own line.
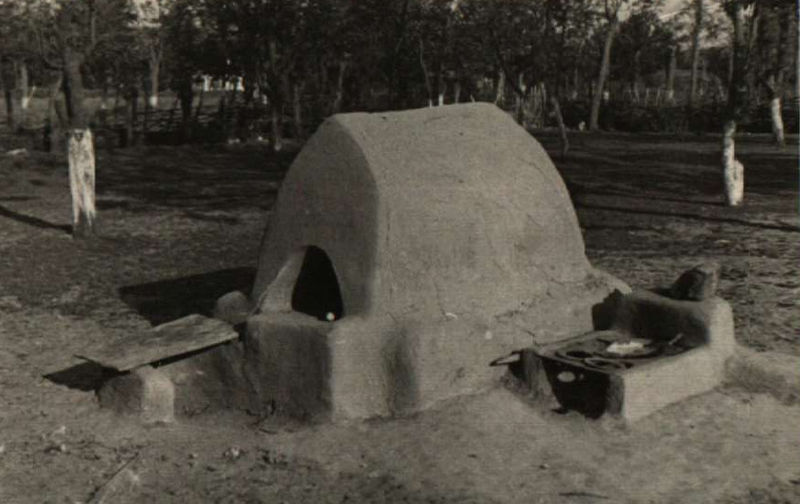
point(409, 250)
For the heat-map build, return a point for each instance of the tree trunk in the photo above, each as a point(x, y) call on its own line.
point(441, 87)
point(297, 108)
point(171, 116)
point(222, 106)
point(277, 128)
point(199, 108)
point(671, 75)
point(561, 127)
point(80, 156)
point(8, 80)
point(54, 121)
point(729, 73)
point(115, 106)
point(186, 97)
point(782, 63)
point(597, 98)
point(520, 98)
point(80, 147)
point(10, 115)
point(637, 75)
point(425, 73)
point(152, 96)
point(703, 84)
point(777, 121)
point(499, 95)
point(22, 89)
point(696, 32)
point(732, 169)
point(131, 111)
point(576, 84)
point(148, 114)
point(339, 97)
point(72, 84)
point(56, 111)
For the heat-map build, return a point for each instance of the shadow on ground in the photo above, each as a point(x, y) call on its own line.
point(87, 376)
point(33, 221)
point(170, 299)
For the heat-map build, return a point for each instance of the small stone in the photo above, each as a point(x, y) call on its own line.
point(233, 308)
point(122, 487)
point(10, 303)
point(544, 466)
point(566, 377)
point(2, 448)
point(233, 453)
point(56, 448)
point(145, 392)
point(697, 284)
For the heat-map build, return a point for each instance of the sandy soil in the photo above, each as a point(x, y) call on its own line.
point(181, 226)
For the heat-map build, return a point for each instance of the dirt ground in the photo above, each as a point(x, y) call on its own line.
point(181, 226)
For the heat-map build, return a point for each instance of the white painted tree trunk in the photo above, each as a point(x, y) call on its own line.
point(777, 120)
point(499, 95)
point(80, 156)
point(24, 96)
point(26, 100)
point(732, 169)
point(155, 68)
point(277, 128)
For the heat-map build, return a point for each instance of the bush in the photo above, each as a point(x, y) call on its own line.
point(707, 118)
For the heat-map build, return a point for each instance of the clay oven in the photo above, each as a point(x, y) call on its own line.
point(408, 250)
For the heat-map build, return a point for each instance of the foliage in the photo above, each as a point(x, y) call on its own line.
point(306, 59)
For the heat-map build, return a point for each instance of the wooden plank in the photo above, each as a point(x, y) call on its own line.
point(184, 335)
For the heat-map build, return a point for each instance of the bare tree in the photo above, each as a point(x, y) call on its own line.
point(697, 29)
point(732, 169)
point(776, 42)
point(68, 37)
point(612, 15)
point(151, 33)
